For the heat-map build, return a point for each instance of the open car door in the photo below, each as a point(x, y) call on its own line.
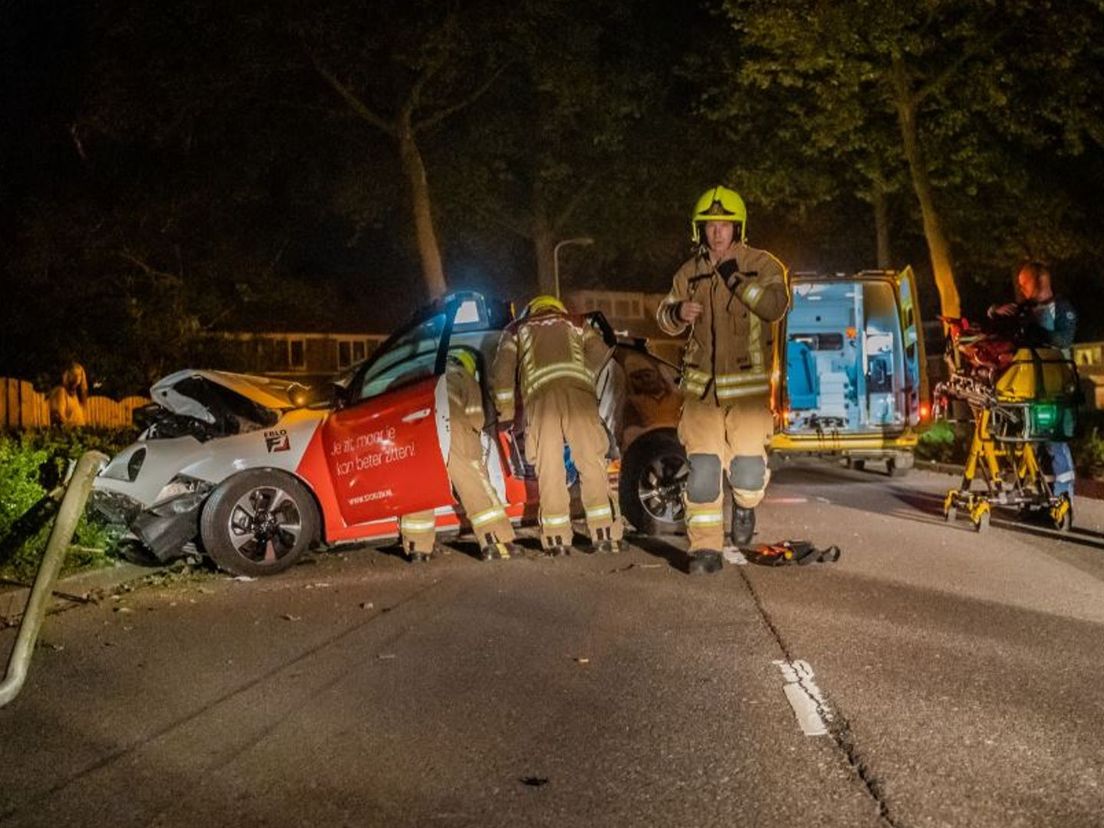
point(385, 449)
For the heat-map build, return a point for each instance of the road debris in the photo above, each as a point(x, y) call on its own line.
point(534, 781)
point(290, 617)
point(245, 579)
point(386, 656)
point(367, 605)
point(582, 660)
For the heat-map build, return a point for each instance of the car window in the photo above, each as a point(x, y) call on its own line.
point(411, 357)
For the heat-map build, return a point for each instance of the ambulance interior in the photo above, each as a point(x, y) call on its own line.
point(844, 355)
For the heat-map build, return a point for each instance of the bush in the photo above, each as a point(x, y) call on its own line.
point(31, 464)
point(944, 442)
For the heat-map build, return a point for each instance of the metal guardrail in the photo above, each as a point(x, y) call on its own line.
point(72, 506)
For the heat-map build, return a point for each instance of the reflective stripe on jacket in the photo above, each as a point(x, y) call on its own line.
point(729, 349)
point(544, 350)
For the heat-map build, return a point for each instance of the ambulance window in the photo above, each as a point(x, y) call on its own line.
point(410, 358)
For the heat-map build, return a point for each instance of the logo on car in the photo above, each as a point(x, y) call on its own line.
point(277, 441)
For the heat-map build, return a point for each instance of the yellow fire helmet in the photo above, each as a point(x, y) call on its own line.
point(542, 304)
point(719, 204)
point(465, 357)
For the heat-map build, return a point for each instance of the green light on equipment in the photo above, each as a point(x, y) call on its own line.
point(1045, 415)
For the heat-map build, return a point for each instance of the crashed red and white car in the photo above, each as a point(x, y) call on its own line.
point(240, 465)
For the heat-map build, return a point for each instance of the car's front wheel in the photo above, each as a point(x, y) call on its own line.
point(653, 476)
point(258, 522)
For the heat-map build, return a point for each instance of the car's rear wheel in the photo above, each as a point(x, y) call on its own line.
point(258, 522)
point(653, 476)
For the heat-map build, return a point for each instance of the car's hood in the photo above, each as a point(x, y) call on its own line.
point(210, 395)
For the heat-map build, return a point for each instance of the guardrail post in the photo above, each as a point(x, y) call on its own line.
point(65, 523)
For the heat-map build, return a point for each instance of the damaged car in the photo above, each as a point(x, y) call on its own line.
point(245, 470)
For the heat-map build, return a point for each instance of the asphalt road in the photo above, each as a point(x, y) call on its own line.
point(958, 676)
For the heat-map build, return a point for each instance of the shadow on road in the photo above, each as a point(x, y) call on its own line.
point(675, 557)
point(865, 492)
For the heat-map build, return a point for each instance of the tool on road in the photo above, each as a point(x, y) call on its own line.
point(799, 552)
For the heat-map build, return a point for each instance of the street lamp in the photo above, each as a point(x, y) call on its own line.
point(582, 241)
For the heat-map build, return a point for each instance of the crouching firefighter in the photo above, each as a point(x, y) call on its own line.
point(555, 359)
point(730, 295)
point(466, 471)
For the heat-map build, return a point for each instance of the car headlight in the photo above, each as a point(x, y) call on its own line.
point(182, 485)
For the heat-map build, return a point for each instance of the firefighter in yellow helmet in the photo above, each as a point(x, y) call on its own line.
point(554, 359)
point(466, 470)
point(730, 295)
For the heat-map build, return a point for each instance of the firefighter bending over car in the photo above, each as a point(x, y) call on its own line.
point(730, 295)
point(466, 471)
point(555, 359)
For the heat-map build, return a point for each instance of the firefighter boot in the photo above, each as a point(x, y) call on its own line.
point(605, 541)
point(705, 562)
point(502, 551)
point(743, 525)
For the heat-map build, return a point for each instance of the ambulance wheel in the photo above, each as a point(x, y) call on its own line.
point(653, 476)
point(258, 522)
point(899, 466)
point(857, 465)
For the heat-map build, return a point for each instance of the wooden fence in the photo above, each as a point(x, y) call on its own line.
point(21, 407)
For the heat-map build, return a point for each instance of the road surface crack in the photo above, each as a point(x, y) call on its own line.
point(839, 728)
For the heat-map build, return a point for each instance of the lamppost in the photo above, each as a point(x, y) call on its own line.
point(581, 241)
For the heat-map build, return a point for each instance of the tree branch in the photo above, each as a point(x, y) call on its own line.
point(358, 106)
point(149, 270)
point(572, 204)
point(441, 114)
point(949, 73)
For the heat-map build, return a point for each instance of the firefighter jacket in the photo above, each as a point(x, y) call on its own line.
point(729, 351)
point(545, 350)
point(465, 398)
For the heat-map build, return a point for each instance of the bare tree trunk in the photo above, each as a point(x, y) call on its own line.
point(544, 245)
point(880, 201)
point(429, 253)
point(939, 248)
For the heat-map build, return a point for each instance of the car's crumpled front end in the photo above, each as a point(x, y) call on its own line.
point(201, 427)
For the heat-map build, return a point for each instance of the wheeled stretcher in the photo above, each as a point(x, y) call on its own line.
point(1018, 397)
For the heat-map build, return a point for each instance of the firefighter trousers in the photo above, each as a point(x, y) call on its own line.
point(728, 439)
point(559, 414)
point(477, 496)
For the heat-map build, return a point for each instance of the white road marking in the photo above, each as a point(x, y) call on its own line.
point(808, 703)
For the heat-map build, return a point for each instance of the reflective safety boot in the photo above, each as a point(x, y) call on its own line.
point(705, 562)
point(743, 525)
point(501, 551)
point(609, 546)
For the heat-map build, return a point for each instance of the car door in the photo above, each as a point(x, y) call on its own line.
point(386, 448)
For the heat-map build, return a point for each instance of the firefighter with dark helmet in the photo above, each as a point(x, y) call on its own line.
point(466, 470)
point(730, 295)
point(555, 359)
